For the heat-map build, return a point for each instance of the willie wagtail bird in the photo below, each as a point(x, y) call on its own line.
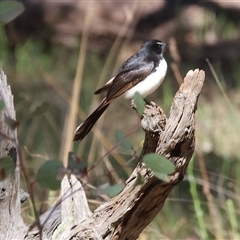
point(143, 72)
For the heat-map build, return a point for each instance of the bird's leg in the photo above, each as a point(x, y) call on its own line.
point(147, 102)
point(133, 105)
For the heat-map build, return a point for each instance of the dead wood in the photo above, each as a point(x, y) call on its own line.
point(126, 215)
point(11, 223)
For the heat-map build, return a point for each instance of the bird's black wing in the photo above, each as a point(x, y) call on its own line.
point(105, 87)
point(126, 79)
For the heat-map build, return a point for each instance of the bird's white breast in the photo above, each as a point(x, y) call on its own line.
point(150, 83)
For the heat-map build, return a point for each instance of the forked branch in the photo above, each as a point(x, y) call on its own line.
point(126, 215)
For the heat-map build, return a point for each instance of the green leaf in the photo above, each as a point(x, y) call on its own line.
point(1, 105)
point(163, 177)
point(112, 190)
point(10, 10)
point(7, 166)
point(139, 102)
point(140, 180)
point(160, 166)
point(40, 109)
point(47, 174)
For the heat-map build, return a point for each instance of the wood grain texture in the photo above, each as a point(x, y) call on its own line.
point(11, 223)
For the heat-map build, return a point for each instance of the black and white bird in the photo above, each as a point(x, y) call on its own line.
point(143, 72)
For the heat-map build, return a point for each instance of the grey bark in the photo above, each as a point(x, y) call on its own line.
point(11, 223)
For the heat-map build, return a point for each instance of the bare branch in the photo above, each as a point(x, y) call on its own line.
point(126, 215)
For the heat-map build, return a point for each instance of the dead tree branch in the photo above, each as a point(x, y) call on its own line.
point(126, 215)
point(11, 223)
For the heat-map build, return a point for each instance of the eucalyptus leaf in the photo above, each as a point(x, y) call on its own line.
point(160, 166)
point(139, 102)
point(139, 180)
point(163, 177)
point(47, 174)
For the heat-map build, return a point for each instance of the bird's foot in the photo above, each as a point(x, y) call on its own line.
point(133, 105)
point(147, 102)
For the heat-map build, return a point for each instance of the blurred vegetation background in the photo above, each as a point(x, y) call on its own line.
point(52, 43)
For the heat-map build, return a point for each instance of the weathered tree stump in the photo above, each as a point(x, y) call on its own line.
point(11, 223)
point(126, 215)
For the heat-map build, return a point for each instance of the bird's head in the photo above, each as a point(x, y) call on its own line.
point(155, 46)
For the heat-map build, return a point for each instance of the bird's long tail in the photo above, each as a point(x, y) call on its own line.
point(84, 128)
